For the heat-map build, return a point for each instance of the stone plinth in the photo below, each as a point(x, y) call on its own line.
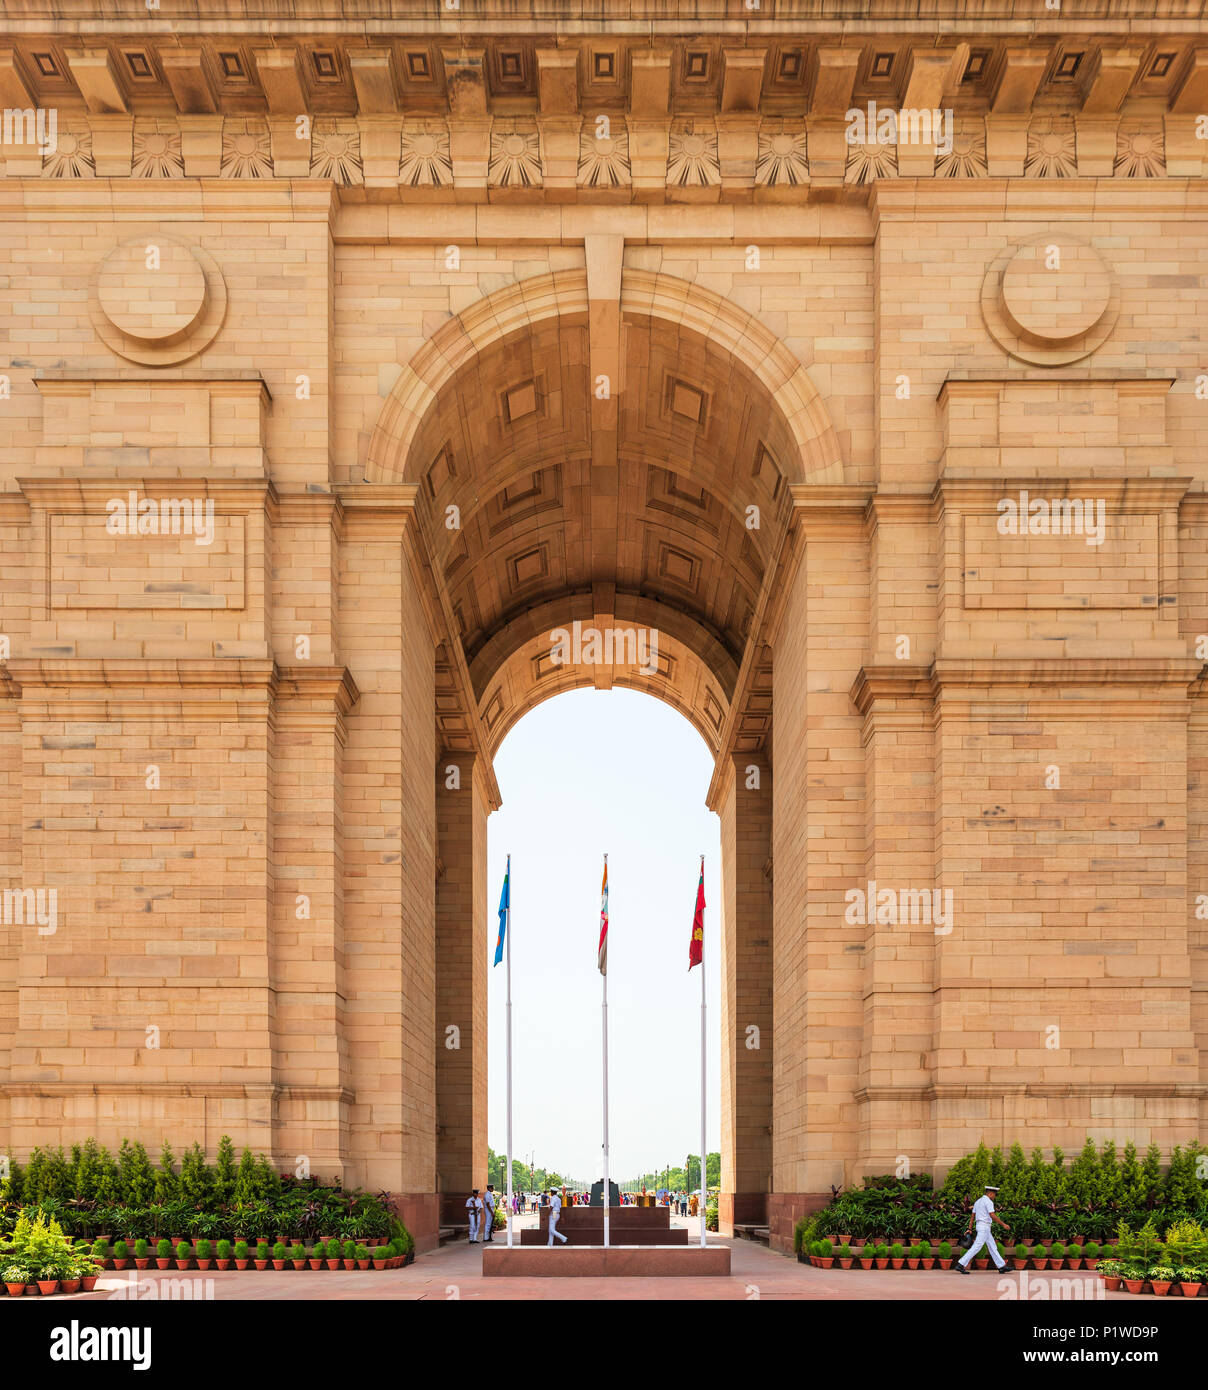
point(626, 1226)
point(618, 1261)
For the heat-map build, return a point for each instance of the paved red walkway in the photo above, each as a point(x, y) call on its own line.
point(756, 1273)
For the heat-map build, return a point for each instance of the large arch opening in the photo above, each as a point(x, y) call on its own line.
point(617, 455)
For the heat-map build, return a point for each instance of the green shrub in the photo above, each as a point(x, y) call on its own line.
point(184, 1251)
point(896, 1252)
point(223, 1250)
point(349, 1250)
point(279, 1251)
point(241, 1250)
point(121, 1251)
point(204, 1249)
point(140, 1249)
point(297, 1251)
point(163, 1249)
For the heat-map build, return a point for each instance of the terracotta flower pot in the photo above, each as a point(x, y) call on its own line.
point(184, 1264)
point(1091, 1263)
point(1019, 1263)
point(982, 1264)
point(71, 1286)
point(844, 1263)
point(278, 1264)
point(298, 1264)
point(897, 1264)
point(1079, 1240)
point(912, 1263)
point(882, 1261)
point(335, 1264)
point(1074, 1262)
point(362, 1264)
point(1134, 1285)
point(928, 1262)
point(1040, 1262)
point(1111, 1282)
point(1191, 1290)
point(204, 1264)
point(260, 1264)
point(380, 1262)
point(867, 1264)
point(1160, 1286)
point(242, 1264)
point(222, 1264)
point(15, 1290)
point(88, 1282)
point(142, 1264)
point(162, 1264)
point(120, 1264)
point(825, 1261)
point(315, 1264)
point(48, 1286)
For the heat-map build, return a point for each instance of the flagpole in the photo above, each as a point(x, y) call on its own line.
point(508, 954)
point(703, 1188)
point(604, 1012)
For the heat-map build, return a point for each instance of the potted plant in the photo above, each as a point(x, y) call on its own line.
point(1109, 1271)
point(1133, 1276)
point(913, 1256)
point(48, 1280)
point(334, 1258)
point(241, 1255)
point(15, 1278)
point(1040, 1257)
point(297, 1255)
point(1160, 1279)
point(204, 1253)
point(1090, 1254)
point(1073, 1257)
point(184, 1254)
point(1019, 1256)
point(349, 1252)
point(163, 1254)
point(381, 1257)
point(1056, 1255)
point(318, 1254)
point(142, 1253)
point(1191, 1279)
point(845, 1257)
point(927, 1259)
point(222, 1255)
point(121, 1255)
point(867, 1255)
point(279, 1255)
point(261, 1256)
point(944, 1258)
point(100, 1251)
point(362, 1257)
point(882, 1256)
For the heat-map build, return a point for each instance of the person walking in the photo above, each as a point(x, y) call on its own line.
point(984, 1218)
point(474, 1208)
point(488, 1212)
point(555, 1210)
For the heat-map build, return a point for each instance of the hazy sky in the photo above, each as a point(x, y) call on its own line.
point(587, 772)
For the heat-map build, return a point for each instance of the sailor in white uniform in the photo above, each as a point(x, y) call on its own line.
point(555, 1210)
point(983, 1215)
point(474, 1207)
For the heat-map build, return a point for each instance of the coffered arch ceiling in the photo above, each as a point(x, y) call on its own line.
point(539, 505)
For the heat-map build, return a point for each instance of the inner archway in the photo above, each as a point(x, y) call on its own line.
point(584, 773)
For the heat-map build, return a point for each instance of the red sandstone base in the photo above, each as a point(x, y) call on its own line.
point(594, 1262)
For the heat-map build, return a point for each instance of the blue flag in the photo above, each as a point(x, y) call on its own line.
point(505, 909)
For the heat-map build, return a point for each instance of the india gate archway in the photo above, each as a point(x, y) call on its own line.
point(349, 359)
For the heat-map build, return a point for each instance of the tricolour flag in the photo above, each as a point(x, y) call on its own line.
point(602, 959)
point(505, 911)
point(696, 947)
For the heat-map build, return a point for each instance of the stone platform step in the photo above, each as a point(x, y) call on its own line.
point(618, 1261)
point(588, 1236)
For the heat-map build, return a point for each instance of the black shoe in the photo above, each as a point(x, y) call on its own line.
point(960, 1268)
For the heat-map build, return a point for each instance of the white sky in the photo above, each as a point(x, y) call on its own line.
point(587, 772)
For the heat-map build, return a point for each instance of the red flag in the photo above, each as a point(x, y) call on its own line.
point(602, 955)
point(697, 946)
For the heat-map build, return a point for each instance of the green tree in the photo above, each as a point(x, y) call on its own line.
point(245, 1179)
point(268, 1180)
point(1014, 1179)
point(1108, 1185)
point(1151, 1176)
point(224, 1171)
point(194, 1184)
point(1181, 1188)
point(136, 1178)
point(167, 1183)
point(1083, 1179)
point(1132, 1185)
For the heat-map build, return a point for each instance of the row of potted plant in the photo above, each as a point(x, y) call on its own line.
point(1136, 1277)
point(925, 1255)
point(222, 1254)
